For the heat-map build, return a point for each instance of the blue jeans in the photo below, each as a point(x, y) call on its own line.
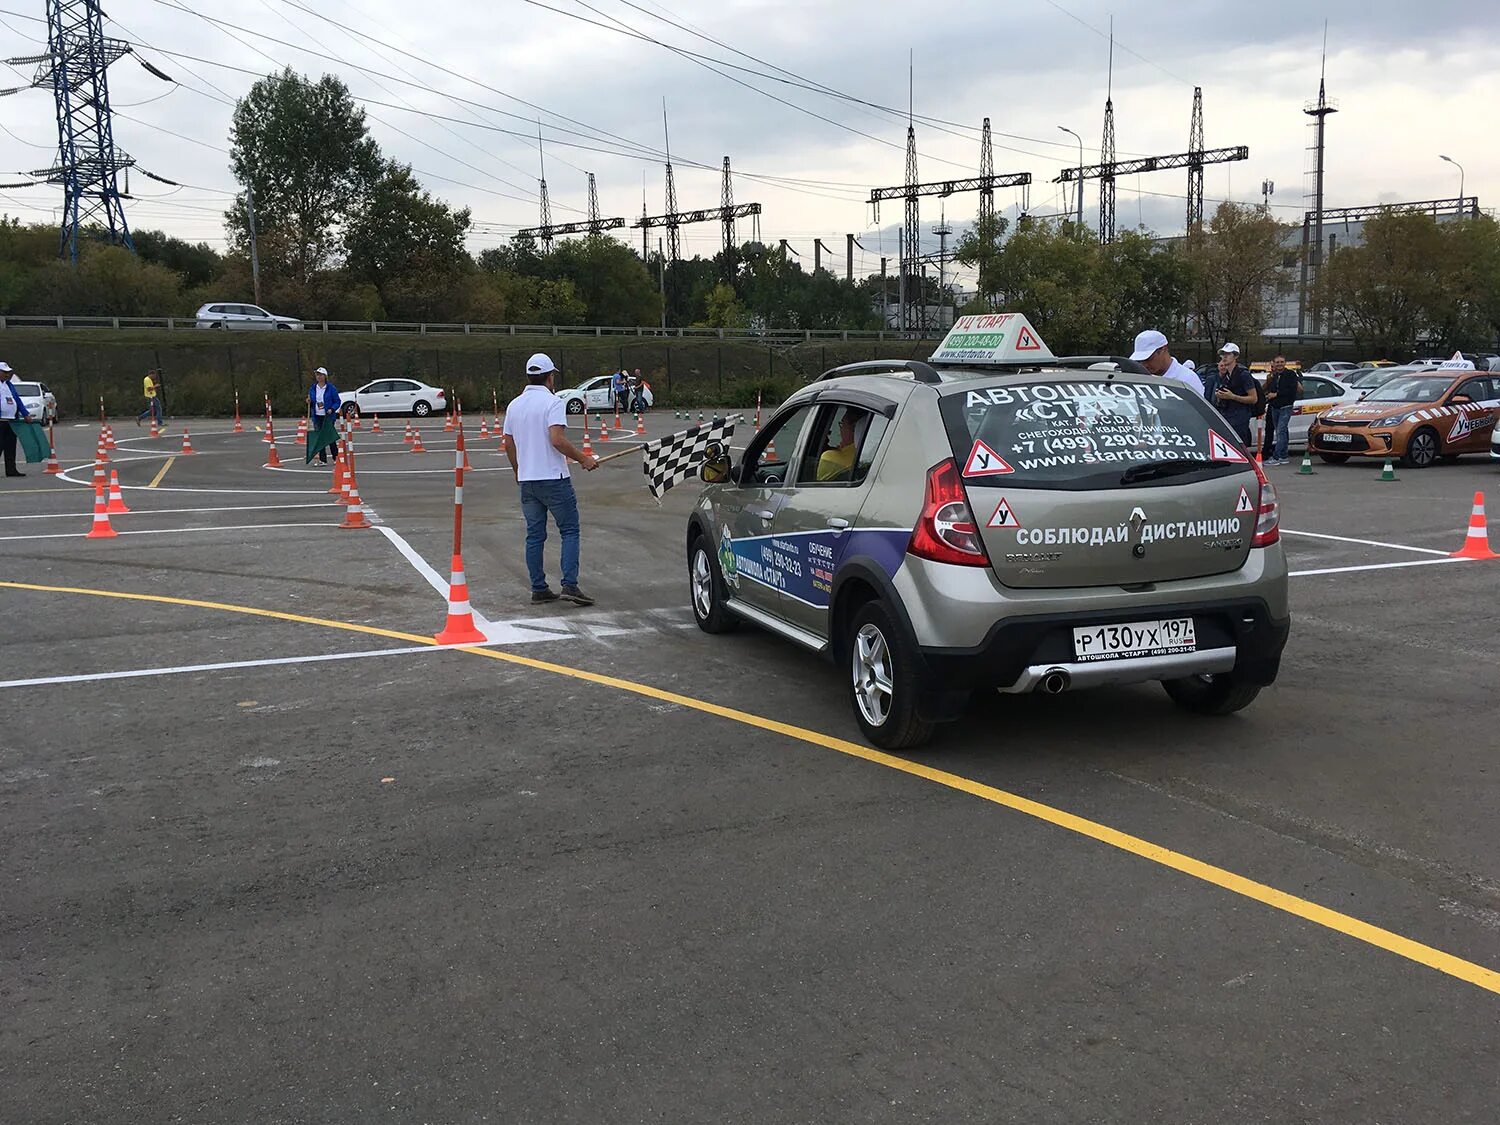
point(1282, 420)
point(538, 497)
point(153, 410)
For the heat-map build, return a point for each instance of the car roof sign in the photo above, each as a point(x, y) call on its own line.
point(1457, 362)
point(992, 338)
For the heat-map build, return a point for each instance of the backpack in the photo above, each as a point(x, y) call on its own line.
point(1259, 409)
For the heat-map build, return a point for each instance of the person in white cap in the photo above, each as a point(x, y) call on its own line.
point(12, 409)
point(1153, 353)
point(1234, 394)
point(323, 405)
point(536, 444)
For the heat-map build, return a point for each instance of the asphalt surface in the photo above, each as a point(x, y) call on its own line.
point(438, 886)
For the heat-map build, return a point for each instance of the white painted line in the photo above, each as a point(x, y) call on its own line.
point(210, 491)
point(1365, 542)
point(180, 511)
point(408, 552)
point(168, 530)
point(1376, 566)
point(136, 673)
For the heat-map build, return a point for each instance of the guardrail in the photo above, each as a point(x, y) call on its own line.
point(377, 327)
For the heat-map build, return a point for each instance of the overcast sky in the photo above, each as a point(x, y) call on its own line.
point(1413, 82)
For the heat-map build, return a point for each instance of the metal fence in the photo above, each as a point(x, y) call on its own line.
point(377, 327)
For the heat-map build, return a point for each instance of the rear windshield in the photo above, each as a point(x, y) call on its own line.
point(1411, 388)
point(28, 390)
point(1084, 435)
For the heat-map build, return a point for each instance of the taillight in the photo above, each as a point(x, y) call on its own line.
point(946, 531)
point(1267, 512)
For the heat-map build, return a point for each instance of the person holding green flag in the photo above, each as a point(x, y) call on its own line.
point(323, 409)
point(17, 425)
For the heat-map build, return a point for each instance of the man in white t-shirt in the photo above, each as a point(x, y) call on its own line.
point(536, 443)
point(1153, 353)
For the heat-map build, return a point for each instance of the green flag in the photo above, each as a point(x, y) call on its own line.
point(324, 436)
point(32, 439)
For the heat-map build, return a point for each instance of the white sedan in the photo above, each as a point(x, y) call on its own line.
point(395, 396)
point(599, 396)
point(40, 402)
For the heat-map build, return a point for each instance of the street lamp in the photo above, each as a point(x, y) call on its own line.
point(1460, 168)
point(1079, 139)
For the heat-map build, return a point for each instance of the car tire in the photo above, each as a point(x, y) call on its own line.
point(706, 589)
point(575, 406)
point(1217, 694)
point(1422, 449)
point(1334, 458)
point(876, 652)
point(349, 410)
point(421, 408)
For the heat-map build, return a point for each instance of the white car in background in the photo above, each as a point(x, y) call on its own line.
point(39, 401)
point(597, 395)
point(1333, 367)
point(1319, 393)
point(224, 315)
point(395, 396)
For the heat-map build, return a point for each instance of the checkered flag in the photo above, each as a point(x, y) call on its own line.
point(676, 457)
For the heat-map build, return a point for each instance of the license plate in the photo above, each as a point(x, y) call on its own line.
point(1335, 437)
point(1137, 638)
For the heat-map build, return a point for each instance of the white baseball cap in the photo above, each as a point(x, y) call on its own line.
point(1230, 349)
point(1147, 343)
point(321, 371)
point(540, 364)
point(4, 366)
point(1190, 364)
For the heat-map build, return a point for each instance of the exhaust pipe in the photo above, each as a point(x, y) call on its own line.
point(1056, 681)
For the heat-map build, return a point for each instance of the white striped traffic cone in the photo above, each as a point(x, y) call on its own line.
point(1477, 541)
point(100, 528)
point(116, 498)
point(460, 629)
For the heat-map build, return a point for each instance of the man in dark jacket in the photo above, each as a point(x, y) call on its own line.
point(1281, 403)
point(1234, 394)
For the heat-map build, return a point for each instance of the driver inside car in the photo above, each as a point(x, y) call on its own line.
point(838, 461)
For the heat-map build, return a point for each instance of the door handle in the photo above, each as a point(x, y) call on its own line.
point(838, 524)
point(763, 513)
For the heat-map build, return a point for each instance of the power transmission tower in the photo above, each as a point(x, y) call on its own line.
point(88, 163)
point(986, 172)
point(674, 236)
point(913, 244)
point(545, 228)
point(726, 209)
point(594, 227)
point(1107, 151)
point(1195, 166)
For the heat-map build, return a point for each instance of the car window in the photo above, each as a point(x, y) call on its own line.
point(401, 385)
point(27, 390)
point(1319, 388)
point(1480, 390)
point(767, 459)
point(253, 310)
point(842, 446)
point(1069, 434)
point(1409, 388)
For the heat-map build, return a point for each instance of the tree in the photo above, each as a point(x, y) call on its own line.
point(1238, 269)
point(198, 263)
point(608, 277)
point(1382, 291)
point(302, 148)
point(408, 246)
point(723, 309)
point(1051, 272)
point(979, 247)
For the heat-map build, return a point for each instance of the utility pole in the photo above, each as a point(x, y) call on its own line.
point(1313, 257)
point(942, 230)
point(848, 257)
point(1107, 150)
point(1195, 166)
point(662, 258)
point(254, 249)
point(885, 303)
point(546, 224)
point(1267, 189)
point(78, 55)
point(987, 174)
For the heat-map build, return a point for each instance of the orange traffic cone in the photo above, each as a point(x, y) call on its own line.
point(354, 514)
point(356, 424)
point(99, 480)
point(53, 468)
point(640, 426)
point(416, 442)
point(301, 438)
point(109, 437)
point(101, 451)
point(239, 427)
point(101, 528)
point(273, 459)
point(339, 471)
point(408, 439)
point(468, 468)
point(187, 443)
point(617, 417)
point(116, 498)
point(604, 428)
point(459, 629)
point(588, 446)
point(346, 488)
point(484, 426)
point(155, 430)
point(1477, 542)
point(448, 424)
point(375, 423)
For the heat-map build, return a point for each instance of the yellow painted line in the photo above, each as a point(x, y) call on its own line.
point(156, 480)
point(1377, 936)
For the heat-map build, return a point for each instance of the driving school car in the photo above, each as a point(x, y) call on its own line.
point(997, 518)
point(1417, 417)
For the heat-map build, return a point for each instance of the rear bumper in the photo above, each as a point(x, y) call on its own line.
point(1238, 635)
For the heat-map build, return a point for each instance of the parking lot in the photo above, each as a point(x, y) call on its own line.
point(271, 856)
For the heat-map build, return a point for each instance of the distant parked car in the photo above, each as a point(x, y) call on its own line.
point(395, 396)
point(244, 316)
point(1332, 367)
point(40, 402)
point(594, 393)
point(1368, 378)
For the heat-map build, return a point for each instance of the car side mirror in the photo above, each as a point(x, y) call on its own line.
point(1461, 399)
point(716, 467)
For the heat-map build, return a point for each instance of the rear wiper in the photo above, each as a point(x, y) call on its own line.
point(1152, 470)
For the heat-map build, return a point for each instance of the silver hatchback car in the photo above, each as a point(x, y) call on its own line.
point(1030, 525)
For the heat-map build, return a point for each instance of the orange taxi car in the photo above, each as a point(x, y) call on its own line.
point(1417, 417)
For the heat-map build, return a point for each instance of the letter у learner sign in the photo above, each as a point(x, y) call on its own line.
point(992, 338)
